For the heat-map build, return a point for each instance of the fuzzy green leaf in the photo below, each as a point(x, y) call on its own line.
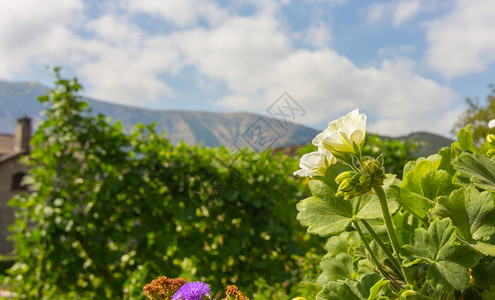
point(326, 214)
point(332, 172)
point(370, 287)
point(484, 274)
point(422, 186)
point(486, 249)
point(472, 212)
point(334, 268)
point(479, 168)
point(465, 140)
point(448, 262)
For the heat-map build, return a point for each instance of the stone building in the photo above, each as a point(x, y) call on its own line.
point(12, 147)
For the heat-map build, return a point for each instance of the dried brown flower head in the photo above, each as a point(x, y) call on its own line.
point(233, 293)
point(163, 288)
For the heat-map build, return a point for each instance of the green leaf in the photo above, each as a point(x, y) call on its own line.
point(405, 224)
point(413, 179)
point(343, 243)
point(326, 214)
point(332, 172)
point(370, 287)
point(488, 294)
point(434, 159)
point(436, 247)
point(486, 249)
point(484, 274)
point(416, 204)
point(480, 169)
point(472, 212)
point(437, 183)
point(423, 184)
point(446, 161)
point(334, 268)
point(465, 140)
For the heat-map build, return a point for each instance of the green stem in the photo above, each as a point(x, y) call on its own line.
point(396, 265)
point(390, 230)
point(373, 256)
point(423, 289)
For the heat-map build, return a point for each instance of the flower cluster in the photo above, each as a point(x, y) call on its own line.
point(353, 184)
point(341, 142)
point(163, 288)
point(233, 293)
point(490, 139)
point(340, 139)
point(193, 291)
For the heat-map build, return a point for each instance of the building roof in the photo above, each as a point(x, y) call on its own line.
point(7, 142)
point(9, 156)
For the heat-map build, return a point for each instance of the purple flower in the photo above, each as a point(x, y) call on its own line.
point(193, 291)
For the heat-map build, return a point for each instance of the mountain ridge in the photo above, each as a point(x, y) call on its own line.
point(18, 99)
point(231, 129)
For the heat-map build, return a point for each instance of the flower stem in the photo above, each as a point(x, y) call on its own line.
point(390, 229)
point(396, 266)
point(373, 256)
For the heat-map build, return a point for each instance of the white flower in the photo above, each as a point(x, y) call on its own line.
point(341, 135)
point(315, 163)
point(491, 124)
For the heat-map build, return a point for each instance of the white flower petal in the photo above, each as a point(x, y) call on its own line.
point(341, 134)
point(315, 163)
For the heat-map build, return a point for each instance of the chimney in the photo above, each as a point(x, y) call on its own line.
point(22, 134)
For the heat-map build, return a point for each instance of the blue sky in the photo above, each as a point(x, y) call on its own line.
point(407, 64)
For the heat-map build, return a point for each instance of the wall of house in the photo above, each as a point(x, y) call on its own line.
point(8, 188)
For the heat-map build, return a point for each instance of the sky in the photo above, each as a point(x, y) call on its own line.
point(407, 64)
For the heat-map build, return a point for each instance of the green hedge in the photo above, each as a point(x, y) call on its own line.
point(110, 211)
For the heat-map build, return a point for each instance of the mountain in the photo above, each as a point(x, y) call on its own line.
point(428, 143)
point(210, 129)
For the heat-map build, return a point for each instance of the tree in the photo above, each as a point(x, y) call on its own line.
point(478, 115)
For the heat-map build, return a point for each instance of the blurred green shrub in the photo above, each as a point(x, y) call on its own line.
point(109, 211)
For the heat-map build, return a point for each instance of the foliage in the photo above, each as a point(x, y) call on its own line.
point(109, 211)
point(478, 115)
point(428, 236)
point(396, 153)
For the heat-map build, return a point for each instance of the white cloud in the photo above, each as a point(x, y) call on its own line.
point(256, 61)
point(328, 85)
point(376, 12)
point(32, 34)
point(253, 56)
point(405, 10)
point(318, 35)
point(398, 11)
point(180, 12)
point(239, 52)
point(128, 63)
point(332, 2)
point(462, 42)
